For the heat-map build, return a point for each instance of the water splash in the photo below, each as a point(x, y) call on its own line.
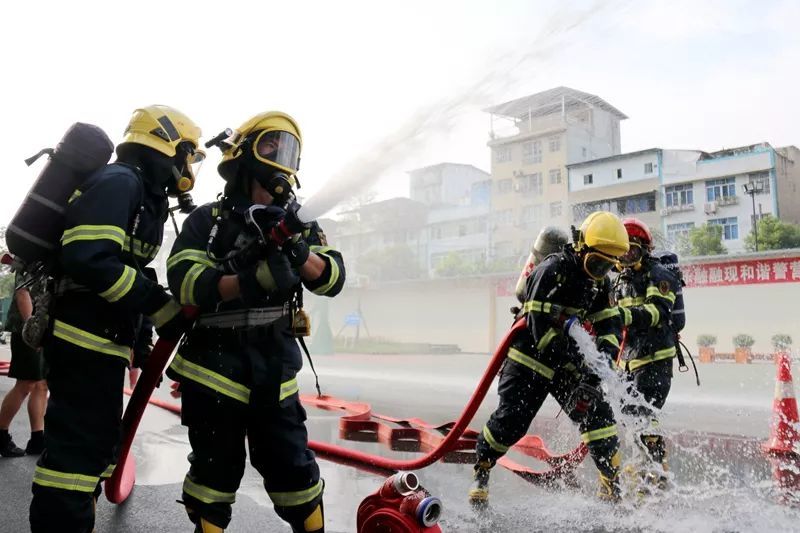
point(438, 118)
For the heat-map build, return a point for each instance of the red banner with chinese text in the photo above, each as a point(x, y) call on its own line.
point(753, 271)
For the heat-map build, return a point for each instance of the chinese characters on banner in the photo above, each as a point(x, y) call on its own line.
point(780, 270)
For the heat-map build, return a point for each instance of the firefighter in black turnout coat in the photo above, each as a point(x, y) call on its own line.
point(650, 299)
point(563, 290)
point(244, 261)
point(114, 226)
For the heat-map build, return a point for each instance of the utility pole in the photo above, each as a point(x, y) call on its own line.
point(752, 188)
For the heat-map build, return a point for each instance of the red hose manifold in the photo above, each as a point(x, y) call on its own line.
point(400, 505)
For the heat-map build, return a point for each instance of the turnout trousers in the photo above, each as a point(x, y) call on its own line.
point(525, 381)
point(83, 426)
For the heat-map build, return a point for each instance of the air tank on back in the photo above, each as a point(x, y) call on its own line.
point(35, 231)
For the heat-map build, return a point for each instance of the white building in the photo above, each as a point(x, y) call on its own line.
point(714, 193)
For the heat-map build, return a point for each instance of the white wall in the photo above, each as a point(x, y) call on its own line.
point(600, 138)
point(604, 173)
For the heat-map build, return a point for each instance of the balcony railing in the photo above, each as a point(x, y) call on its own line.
point(666, 211)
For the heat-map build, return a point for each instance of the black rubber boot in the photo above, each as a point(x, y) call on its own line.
point(7, 446)
point(35, 445)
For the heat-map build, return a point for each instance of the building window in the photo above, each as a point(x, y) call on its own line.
point(648, 168)
point(677, 195)
point(762, 177)
point(555, 144)
point(720, 188)
point(504, 186)
point(555, 176)
point(637, 204)
point(677, 231)
point(619, 173)
point(730, 227)
point(532, 152)
point(588, 179)
point(535, 184)
point(555, 209)
point(502, 154)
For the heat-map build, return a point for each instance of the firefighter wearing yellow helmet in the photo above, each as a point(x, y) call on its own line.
point(565, 289)
point(114, 227)
point(244, 261)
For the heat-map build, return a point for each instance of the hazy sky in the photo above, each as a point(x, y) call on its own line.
point(689, 74)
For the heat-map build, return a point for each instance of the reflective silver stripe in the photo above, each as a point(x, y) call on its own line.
point(257, 316)
point(666, 353)
point(496, 446)
point(140, 248)
point(210, 379)
point(64, 480)
point(195, 256)
point(288, 388)
point(47, 202)
point(122, 286)
point(90, 341)
point(678, 311)
point(295, 498)
point(206, 494)
point(187, 286)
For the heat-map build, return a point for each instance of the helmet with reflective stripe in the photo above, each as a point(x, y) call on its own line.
point(272, 138)
point(638, 232)
point(161, 128)
point(603, 231)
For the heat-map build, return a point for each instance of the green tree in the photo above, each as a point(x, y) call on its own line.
point(703, 240)
point(453, 264)
point(774, 234)
point(6, 277)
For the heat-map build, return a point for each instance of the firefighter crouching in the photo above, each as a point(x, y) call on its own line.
point(238, 366)
point(564, 288)
point(114, 226)
point(651, 304)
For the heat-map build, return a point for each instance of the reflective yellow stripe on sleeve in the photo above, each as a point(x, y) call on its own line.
point(206, 494)
point(288, 388)
point(187, 286)
point(655, 316)
point(530, 362)
point(599, 434)
point(195, 256)
point(627, 317)
point(333, 279)
point(630, 302)
point(653, 291)
point(108, 471)
point(46, 477)
point(297, 497)
point(611, 339)
point(89, 341)
point(74, 196)
point(140, 248)
point(122, 286)
point(605, 314)
point(93, 233)
point(166, 313)
point(210, 379)
point(317, 249)
point(534, 306)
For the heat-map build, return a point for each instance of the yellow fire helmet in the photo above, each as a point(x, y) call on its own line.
point(169, 131)
point(272, 137)
point(603, 238)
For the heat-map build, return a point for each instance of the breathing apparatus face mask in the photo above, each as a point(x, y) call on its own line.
point(278, 148)
point(633, 257)
point(279, 186)
point(187, 163)
point(597, 264)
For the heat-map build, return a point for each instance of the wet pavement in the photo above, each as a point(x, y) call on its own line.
point(722, 482)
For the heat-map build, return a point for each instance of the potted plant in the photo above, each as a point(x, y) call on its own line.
point(781, 343)
point(706, 343)
point(743, 343)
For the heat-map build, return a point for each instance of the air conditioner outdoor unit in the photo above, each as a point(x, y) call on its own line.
point(665, 211)
point(518, 173)
point(710, 207)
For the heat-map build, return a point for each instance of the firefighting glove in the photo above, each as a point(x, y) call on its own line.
point(297, 251)
point(262, 219)
point(273, 274)
point(561, 319)
point(292, 220)
point(582, 399)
